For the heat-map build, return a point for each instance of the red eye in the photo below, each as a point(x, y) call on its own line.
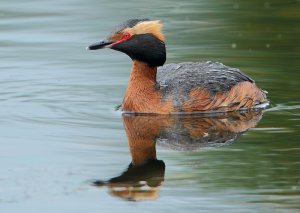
point(126, 36)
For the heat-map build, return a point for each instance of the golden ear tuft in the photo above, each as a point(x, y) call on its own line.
point(153, 27)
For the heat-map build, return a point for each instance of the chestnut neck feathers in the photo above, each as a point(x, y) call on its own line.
point(141, 88)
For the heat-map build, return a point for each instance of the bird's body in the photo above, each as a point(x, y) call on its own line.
point(189, 87)
point(172, 88)
point(220, 88)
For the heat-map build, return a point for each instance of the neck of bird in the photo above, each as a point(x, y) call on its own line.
point(141, 90)
point(141, 70)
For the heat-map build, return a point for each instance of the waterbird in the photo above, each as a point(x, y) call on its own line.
point(187, 87)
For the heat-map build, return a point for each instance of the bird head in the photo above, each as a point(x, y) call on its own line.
point(140, 39)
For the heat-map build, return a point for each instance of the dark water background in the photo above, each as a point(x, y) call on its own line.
point(59, 131)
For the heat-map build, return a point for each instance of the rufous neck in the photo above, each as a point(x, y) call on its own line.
point(141, 71)
point(141, 94)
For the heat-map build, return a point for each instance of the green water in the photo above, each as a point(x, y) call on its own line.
point(59, 131)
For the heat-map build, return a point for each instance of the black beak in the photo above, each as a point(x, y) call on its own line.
point(99, 45)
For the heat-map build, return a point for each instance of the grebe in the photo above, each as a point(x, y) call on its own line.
point(184, 87)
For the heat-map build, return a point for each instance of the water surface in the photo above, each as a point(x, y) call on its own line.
point(59, 131)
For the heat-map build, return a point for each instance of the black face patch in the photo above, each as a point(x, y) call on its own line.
point(144, 47)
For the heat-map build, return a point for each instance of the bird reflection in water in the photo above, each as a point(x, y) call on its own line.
point(145, 174)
